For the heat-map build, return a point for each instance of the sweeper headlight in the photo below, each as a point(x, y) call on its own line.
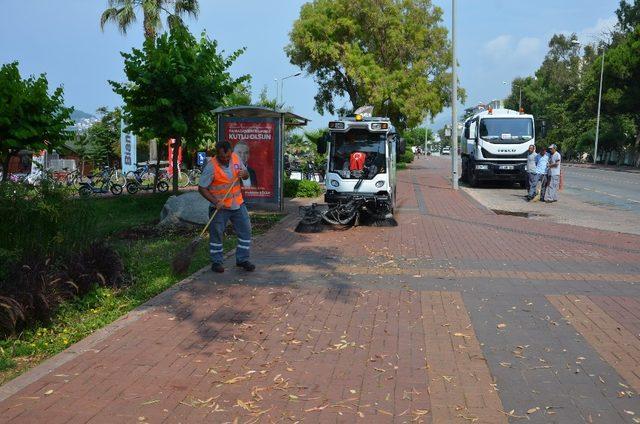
point(379, 183)
point(335, 183)
point(379, 126)
point(336, 125)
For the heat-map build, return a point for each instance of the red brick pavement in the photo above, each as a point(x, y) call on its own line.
point(367, 325)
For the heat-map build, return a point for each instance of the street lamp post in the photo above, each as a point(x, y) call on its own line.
point(454, 99)
point(276, 81)
point(282, 83)
point(595, 152)
point(520, 97)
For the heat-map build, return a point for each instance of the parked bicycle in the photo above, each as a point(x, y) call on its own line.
point(142, 174)
point(142, 179)
point(103, 185)
point(194, 176)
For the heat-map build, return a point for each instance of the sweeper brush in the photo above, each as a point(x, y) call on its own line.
point(182, 260)
point(316, 218)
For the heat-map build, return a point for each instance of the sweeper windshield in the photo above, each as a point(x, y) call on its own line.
point(358, 153)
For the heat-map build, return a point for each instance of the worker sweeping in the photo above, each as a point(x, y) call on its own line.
point(220, 185)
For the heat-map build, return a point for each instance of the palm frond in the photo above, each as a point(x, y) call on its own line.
point(189, 7)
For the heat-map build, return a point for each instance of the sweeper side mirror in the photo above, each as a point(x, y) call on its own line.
point(321, 147)
point(401, 146)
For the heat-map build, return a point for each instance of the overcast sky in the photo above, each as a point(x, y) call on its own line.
point(498, 40)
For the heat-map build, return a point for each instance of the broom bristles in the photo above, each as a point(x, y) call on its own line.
point(182, 260)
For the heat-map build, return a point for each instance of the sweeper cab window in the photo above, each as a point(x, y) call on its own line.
point(358, 153)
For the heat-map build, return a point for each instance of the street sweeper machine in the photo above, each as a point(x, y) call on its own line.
point(360, 177)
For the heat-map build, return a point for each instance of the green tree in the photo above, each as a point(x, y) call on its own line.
point(628, 15)
point(392, 54)
point(416, 136)
point(175, 82)
point(101, 141)
point(123, 14)
point(30, 117)
point(621, 91)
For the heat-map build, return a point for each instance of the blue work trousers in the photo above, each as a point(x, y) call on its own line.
point(241, 225)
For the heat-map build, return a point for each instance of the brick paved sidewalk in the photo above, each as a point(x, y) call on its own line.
point(456, 315)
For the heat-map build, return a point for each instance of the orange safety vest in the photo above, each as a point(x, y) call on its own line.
point(221, 183)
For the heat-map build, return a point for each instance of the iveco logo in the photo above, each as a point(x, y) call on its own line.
point(506, 150)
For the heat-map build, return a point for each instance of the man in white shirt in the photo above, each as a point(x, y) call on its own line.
point(551, 194)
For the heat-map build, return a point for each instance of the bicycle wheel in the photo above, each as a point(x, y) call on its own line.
point(132, 187)
point(183, 179)
point(117, 177)
point(163, 186)
point(195, 176)
point(85, 191)
point(116, 189)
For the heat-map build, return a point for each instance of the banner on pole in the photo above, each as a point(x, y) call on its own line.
point(127, 150)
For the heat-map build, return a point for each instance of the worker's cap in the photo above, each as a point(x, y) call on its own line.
point(553, 146)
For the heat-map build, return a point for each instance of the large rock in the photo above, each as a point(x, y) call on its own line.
point(188, 208)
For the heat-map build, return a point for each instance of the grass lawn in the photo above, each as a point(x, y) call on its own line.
point(126, 222)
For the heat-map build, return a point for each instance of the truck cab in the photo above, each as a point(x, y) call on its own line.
point(361, 164)
point(494, 146)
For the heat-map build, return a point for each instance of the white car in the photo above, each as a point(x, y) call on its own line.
point(446, 150)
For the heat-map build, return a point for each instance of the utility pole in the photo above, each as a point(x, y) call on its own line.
point(595, 153)
point(454, 99)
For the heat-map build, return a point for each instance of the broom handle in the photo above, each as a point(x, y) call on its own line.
point(206, 227)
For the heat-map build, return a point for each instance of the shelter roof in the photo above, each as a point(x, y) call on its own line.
point(291, 119)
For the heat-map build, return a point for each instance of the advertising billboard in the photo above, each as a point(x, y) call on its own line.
point(256, 142)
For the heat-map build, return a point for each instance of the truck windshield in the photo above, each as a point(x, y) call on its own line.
point(506, 130)
point(358, 153)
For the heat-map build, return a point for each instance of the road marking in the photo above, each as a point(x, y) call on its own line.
point(610, 194)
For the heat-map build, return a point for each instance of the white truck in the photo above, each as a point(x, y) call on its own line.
point(494, 146)
point(361, 168)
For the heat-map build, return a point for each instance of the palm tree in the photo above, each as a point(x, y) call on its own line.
point(123, 14)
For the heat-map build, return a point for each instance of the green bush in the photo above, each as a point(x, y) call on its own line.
point(42, 221)
point(290, 187)
point(407, 157)
point(401, 165)
point(301, 188)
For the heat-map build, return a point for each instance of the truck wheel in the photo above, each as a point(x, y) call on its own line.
point(465, 171)
point(473, 179)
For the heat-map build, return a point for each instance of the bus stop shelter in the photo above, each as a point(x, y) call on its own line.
point(256, 134)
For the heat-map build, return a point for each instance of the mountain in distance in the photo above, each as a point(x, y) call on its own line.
point(82, 121)
point(78, 115)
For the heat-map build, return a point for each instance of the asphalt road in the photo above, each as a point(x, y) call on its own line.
point(620, 190)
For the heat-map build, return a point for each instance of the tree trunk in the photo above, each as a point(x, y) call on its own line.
point(155, 177)
point(176, 149)
point(6, 155)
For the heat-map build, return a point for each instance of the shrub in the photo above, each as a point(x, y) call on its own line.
point(301, 188)
point(42, 221)
point(290, 187)
point(407, 157)
point(35, 288)
point(401, 165)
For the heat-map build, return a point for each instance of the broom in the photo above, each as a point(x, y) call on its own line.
point(182, 259)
